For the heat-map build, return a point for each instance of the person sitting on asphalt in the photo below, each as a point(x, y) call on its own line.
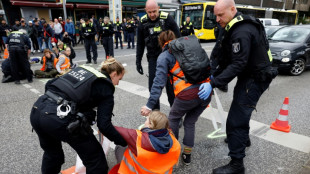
point(48, 69)
point(63, 61)
point(153, 149)
point(186, 103)
point(62, 46)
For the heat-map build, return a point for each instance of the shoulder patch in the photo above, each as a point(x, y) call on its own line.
point(163, 15)
point(236, 47)
point(144, 18)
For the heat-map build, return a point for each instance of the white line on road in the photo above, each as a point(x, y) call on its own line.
point(26, 85)
point(291, 140)
point(35, 91)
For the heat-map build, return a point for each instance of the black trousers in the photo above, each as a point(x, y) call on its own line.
point(52, 131)
point(169, 87)
point(246, 95)
point(90, 44)
point(35, 43)
point(107, 43)
point(19, 63)
point(118, 36)
point(131, 38)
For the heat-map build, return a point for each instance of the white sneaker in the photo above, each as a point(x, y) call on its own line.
point(39, 51)
point(34, 51)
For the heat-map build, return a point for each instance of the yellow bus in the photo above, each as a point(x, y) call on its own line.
point(204, 20)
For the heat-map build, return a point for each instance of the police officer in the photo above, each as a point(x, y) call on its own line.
point(246, 55)
point(106, 34)
point(88, 33)
point(151, 25)
point(187, 27)
point(19, 46)
point(118, 33)
point(130, 33)
point(65, 112)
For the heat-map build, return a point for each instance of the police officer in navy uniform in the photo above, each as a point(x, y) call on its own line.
point(65, 112)
point(150, 26)
point(246, 55)
point(88, 33)
point(130, 33)
point(187, 27)
point(118, 33)
point(106, 34)
point(19, 46)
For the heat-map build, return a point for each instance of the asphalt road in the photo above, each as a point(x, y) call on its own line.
point(271, 151)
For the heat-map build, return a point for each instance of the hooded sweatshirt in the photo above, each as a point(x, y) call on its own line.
point(152, 140)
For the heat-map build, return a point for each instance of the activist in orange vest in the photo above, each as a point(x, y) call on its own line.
point(48, 69)
point(63, 61)
point(186, 103)
point(153, 149)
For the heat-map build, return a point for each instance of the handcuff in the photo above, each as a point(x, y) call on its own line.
point(61, 114)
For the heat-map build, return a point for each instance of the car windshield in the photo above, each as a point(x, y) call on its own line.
point(270, 30)
point(291, 34)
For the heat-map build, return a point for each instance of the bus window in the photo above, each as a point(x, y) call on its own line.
point(195, 13)
point(284, 18)
point(210, 19)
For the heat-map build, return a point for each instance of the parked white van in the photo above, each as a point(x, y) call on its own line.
point(269, 21)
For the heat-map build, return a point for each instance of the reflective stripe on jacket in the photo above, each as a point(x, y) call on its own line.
point(147, 162)
point(66, 64)
point(179, 84)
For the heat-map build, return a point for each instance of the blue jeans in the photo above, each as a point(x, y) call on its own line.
point(246, 95)
point(40, 43)
point(4, 38)
point(47, 44)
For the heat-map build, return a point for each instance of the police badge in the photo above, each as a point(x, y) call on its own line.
point(236, 47)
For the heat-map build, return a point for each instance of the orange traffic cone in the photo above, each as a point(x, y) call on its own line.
point(70, 170)
point(281, 122)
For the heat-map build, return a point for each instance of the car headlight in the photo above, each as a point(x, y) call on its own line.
point(285, 59)
point(285, 53)
point(200, 34)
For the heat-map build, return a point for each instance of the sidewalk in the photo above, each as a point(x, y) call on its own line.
point(305, 168)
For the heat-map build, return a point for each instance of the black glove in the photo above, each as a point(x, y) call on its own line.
point(140, 69)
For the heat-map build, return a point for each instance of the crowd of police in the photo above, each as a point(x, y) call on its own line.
point(66, 111)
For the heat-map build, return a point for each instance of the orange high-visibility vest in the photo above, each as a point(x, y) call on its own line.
point(6, 54)
point(147, 162)
point(44, 63)
point(178, 83)
point(66, 64)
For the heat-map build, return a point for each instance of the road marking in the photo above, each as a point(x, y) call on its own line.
point(291, 140)
point(26, 85)
point(35, 91)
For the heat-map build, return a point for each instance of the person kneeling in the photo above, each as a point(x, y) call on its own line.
point(48, 69)
point(153, 149)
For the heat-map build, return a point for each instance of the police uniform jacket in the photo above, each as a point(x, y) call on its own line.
point(242, 53)
point(106, 30)
point(118, 26)
point(131, 27)
point(100, 94)
point(18, 40)
point(88, 31)
point(148, 32)
point(187, 28)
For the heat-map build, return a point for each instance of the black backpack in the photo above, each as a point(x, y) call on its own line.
point(192, 58)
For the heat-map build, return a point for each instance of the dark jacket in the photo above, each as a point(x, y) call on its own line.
point(39, 28)
point(48, 32)
point(239, 52)
point(102, 97)
point(154, 50)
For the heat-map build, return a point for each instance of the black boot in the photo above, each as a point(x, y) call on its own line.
point(248, 143)
point(223, 88)
point(235, 166)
